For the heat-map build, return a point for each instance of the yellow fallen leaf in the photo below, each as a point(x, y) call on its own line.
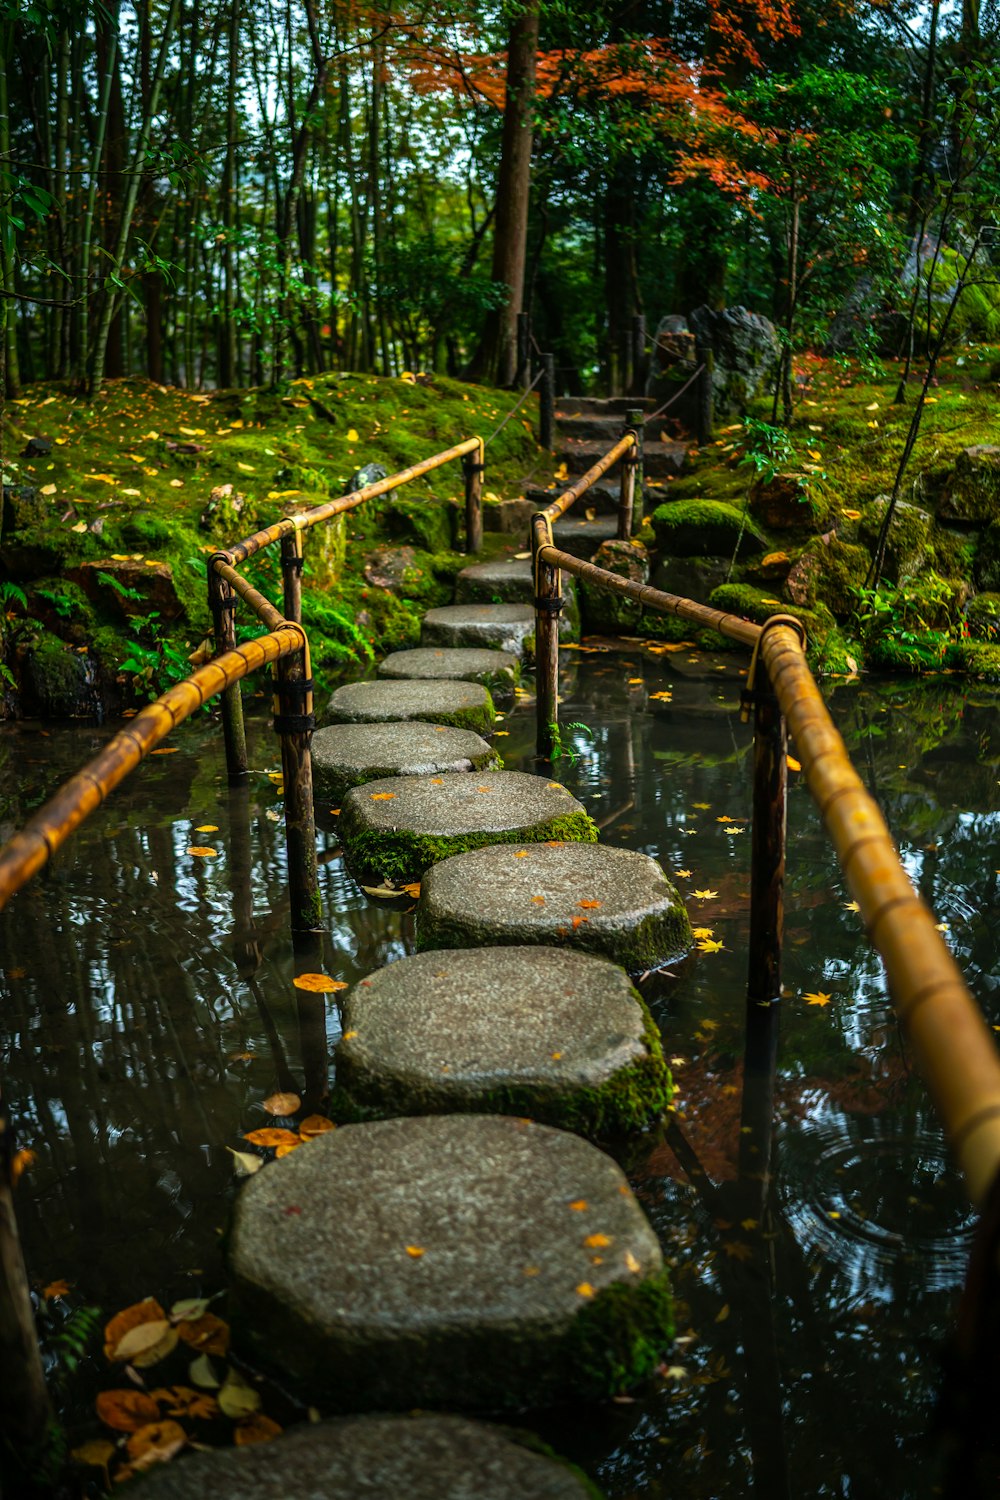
point(709, 945)
point(47, 489)
point(705, 895)
point(318, 984)
point(282, 1104)
point(256, 1429)
point(386, 796)
point(146, 1344)
point(203, 851)
point(80, 526)
point(98, 1451)
point(352, 435)
point(207, 828)
point(245, 1164)
point(236, 1397)
point(415, 1251)
point(585, 1289)
point(247, 468)
point(683, 874)
point(817, 999)
point(792, 763)
point(314, 1125)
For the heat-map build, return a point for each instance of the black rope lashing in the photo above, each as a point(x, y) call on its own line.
point(230, 601)
point(291, 693)
point(550, 605)
point(294, 723)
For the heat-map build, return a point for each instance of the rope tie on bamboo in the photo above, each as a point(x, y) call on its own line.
point(553, 606)
point(292, 717)
point(750, 694)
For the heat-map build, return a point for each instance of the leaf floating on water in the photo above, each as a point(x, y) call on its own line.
point(236, 1398)
point(187, 1308)
point(207, 1333)
point(705, 895)
point(182, 1401)
point(256, 1429)
point(292, 1144)
point(55, 1290)
point(146, 1311)
point(282, 1104)
point(244, 1164)
point(202, 851)
point(201, 1372)
point(156, 1443)
point(94, 1454)
point(208, 828)
point(792, 763)
point(314, 1125)
point(269, 1135)
point(817, 998)
point(20, 1162)
point(709, 945)
point(126, 1411)
point(146, 1344)
point(316, 984)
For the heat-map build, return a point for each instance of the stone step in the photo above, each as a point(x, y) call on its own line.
point(581, 538)
point(658, 459)
point(573, 406)
point(464, 705)
point(614, 902)
point(474, 1261)
point(397, 828)
point(421, 1457)
point(513, 582)
point(505, 627)
point(562, 1037)
point(498, 671)
point(346, 755)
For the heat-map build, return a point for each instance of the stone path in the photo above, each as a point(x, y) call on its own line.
point(465, 705)
point(374, 1458)
point(576, 1046)
point(504, 626)
point(498, 671)
point(346, 755)
point(473, 1261)
point(512, 582)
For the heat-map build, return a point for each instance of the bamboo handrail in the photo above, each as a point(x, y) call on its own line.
point(265, 611)
point(954, 1048)
point(561, 504)
point(246, 548)
point(49, 828)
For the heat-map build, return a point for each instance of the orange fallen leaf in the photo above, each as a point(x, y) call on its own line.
point(56, 1289)
point(579, 921)
point(147, 1311)
point(159, 1439)
point(126, 1411)
point(538, 900)
point(282, 1104)
point(318, 984)
point(521, 854)
point(208, 1334)
point(792, 763)
point(597, 1241)
point(203, 851)
point(288, 1147)
point(589, 905)
point(585, 1289)
point(256, 1429)
point(416, 1251)
point(314, 1125)
point(270, 1135)
point(579, 1204)
point(20, 1162)
point(183, 1401)
point(382, 796)
point(817, 999)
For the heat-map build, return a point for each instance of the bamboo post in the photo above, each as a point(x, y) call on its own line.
point(548, 603)
point(222, 603)
point(631, 475)
point(25, 1412)
point(473, 465)
point(767, 844)
point(547, 402)
point(291, 575)
point(294, 722)
point(639, 355)
point(522, 376)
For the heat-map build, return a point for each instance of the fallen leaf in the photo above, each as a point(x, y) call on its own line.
point(207, 1333)
point(318, 984)
point(585, 1289)
point(709, 945)
point(188, 1308)
point(521, 854)
point(705, 895)
point(282, 1104)
point(538, 900)
point(207, 828)
point(244, 1164)
point(702, 932)
point(416, 1251)
point(80, 526)
point(816, 999)
point(161, 1440)
point(202, 851)
point(55, 1290)
point(579, 1204)
point(96, 1453)
point(352, 434)
point(597, 1241)
point(632, 1264)
point(287, 1147)
point(722, 1314)
point(126, 1411)
point(182, 1401)
point(201, 1372)
point(236, 1397)
point(139, 1313)
point(47, 489)
point(792, 763)
point(384, 796)
point(146, 1344)
point(683, 874)
point(256, 1429)
point(589, 905)
point(314, 1125)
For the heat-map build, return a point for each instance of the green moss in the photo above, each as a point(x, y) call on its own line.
point(747, 601)
point(424, 523)
point(691, 528)
point(622, 1335)
point(401, 855)
point(908, 545)
point(917, 653)
point(332, 784)
point(975, 658)
point(836, 656)
point(982, 615)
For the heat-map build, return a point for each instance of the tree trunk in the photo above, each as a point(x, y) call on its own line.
point(496, 358)
point(12, 380)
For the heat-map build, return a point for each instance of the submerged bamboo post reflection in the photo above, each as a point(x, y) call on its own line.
point(767, 845)
point(294, 722)
point(222, 603)
point(25, 1412)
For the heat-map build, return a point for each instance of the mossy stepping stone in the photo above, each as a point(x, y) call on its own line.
point(581, 538)
point(475, 1261)
point(562, 1037)
point(498, 671)
point(424, 1457)
point(615, 902)
point(346, 755)
point(465, 705)
point(397, 828)
point(506, 627)
point(696, 528)
point(512, 581)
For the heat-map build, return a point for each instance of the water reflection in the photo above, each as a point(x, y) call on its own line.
point(817, 1232)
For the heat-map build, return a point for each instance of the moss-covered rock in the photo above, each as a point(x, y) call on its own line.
point(975, 658)
point(972, 496)
point(925, 652)
point(693, 528)
point(58, 681)
point(613, 614)
point(982, 616)
point(908, 545)
point(424, 522)
point(986, 564)
point(830, 572)
point(780, 502)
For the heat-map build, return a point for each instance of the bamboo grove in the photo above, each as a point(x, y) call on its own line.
point(236, 192)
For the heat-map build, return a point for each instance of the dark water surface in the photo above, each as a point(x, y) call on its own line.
point(148, 1009)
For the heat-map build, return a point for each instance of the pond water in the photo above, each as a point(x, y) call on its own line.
point(148, 1009)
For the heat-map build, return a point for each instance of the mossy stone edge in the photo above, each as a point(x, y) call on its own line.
point(402, 855)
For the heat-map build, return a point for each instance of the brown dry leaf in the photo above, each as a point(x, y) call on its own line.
point(94, 1454)
point(147, 1311)
point(413, 889)
point(182, 1401)
point(256, 1429)
point(208, 1333)
point(19, 1164)
point(56, 1289)
point(282, 1104)
point(126, 1411)
point(136, 1349)
point(314, 1125)
point(589, 905)
point(271, 1135)
point(318, 984)
point(236, 1398)
point(159, 1439)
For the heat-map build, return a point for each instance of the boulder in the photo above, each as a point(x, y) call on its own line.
point(908, 546)
point(780, 501)
point(973, 495)
point(153, 581)
point(986, 567)
point(746, 350)
point(58, 681)
point(614, 614)
point(694, 528)
point(221, 514)
point(363, 477)
point(23, 508)
point(421, 522)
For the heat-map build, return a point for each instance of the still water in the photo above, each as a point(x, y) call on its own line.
point(148, 1009)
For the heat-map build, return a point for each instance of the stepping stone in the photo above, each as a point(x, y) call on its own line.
point(447, 1260)
point(562, 1037)
point(465, 705)
point(513, 582)
point(506, 627)
point(581, 538)
point(397, 828)
point(498, 671)
point(381, 1458)
point(615, 902)
point(346, 755)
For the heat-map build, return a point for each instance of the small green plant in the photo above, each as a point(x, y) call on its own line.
point(768, 449)
point(907, 624)
point(12, 593)
point(132, 595)
point(561, 747)
point(158, 664)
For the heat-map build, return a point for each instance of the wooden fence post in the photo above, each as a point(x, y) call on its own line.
point(547, 402)
point(222, 603)
point(631, 479)
point(548, 604)
point(294, 722)
point(473, 465)
point(767, 844)
point(291, 575)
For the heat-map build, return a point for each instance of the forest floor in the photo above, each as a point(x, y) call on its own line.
point(113, 507)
